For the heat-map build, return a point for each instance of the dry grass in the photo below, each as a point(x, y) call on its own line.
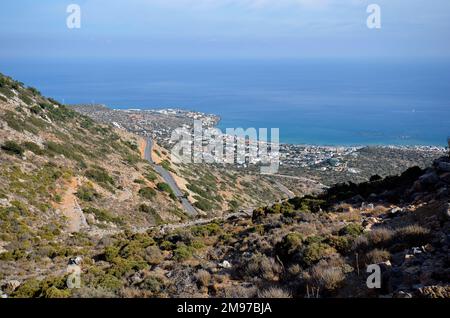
point(274, 292)
point(377, 256)
point(380, 236)
point(203, 278)
point(413, 234)
point(328, 274)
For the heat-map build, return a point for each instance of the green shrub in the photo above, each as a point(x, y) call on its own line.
point(26, 99)
point(34, 148)
point(164, 187)
point(203, 204)
point(29, 289)
point(341, 243)
point(147, 193)
point(99, 175)
point(153, 284)
point(110, 282)
point(87, 193)
point(315, 252)
point(151, 176)
point(290, 244)
point(166, 165)
point(183, 252)
point(103, 215)
point(234, 205)
point(54, 292)
point(66, 150)
point(352, 229)
point(206, 230)
point(13, 148)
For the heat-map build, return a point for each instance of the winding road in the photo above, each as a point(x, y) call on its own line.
point(188, 207)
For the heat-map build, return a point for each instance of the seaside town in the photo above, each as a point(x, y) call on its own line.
point(160, 123)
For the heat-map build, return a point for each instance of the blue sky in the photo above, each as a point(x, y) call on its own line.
point(224, 29)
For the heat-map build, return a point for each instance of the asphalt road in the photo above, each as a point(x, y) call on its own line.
point(188, 207)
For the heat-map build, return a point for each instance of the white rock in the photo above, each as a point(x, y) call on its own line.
point(12, 285)
point(225, 264)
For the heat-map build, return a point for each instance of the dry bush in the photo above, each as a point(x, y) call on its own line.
point(153, 255)
point(294, 270)
point(274, 292)
point(360, 243)
point(203, 278)
point(261, 266)
point(328, 274)
point(88, 292)
point(240, 292)
point(350, 216)
point(413, 234)
point(380, 237)
point(377, 256)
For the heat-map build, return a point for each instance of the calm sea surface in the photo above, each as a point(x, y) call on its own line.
point(325, 102)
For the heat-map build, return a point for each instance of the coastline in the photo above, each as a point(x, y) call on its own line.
point(214, 120)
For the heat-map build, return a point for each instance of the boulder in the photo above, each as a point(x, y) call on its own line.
point(446, 211)
point(395, 211)
point(429, 179)
point(445, 177)
point(75, 261)
point(225, 264)
point(90, 219)
point(402, 294)
point(444, 166)
point(12, 285)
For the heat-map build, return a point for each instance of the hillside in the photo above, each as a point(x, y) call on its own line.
point(74, 191)
point(305, 247)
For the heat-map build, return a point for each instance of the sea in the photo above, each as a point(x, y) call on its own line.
point(312, 101)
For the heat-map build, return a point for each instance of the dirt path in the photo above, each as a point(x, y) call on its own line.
point(70, 208)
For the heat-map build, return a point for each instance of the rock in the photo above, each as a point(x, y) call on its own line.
point(5, 203)
point(417, 250)
point(225, 264)
point(385, 265)
point(402, 294)
point(370, 222)
point(75, 261)
point(90, 219)
point(429, 179)
point(356, 199)
point(136, 278)
point(447, 211)
point(395, 211)
point(12, 285)
point(445, 177)
point(444, 166)
point(442, 193)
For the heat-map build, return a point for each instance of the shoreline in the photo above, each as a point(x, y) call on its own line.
point(216, 119)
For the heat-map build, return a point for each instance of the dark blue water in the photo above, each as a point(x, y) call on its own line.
point(345, 102)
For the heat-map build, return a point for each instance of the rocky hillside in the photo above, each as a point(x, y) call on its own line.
point(76, 192)
point(304, 247)
point(313, 246)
